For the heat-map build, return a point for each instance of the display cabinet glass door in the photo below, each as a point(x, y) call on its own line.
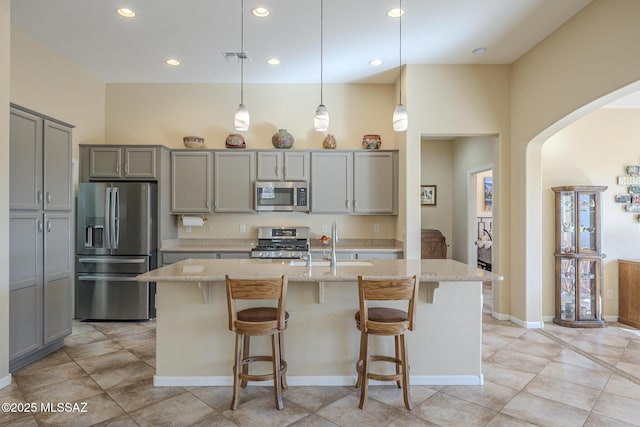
point(579, 291)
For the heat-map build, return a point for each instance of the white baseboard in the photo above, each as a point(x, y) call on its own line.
point(610, 318)
point(316, 381)
point(5, 381)
point(525, 324)
point(500, 316)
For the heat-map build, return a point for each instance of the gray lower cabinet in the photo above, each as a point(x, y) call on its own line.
point(40, 163)
point(114, 162)
point(191, 182)
point(235, 173)
point(364, 255)
point(173, 257)
point(40, 284)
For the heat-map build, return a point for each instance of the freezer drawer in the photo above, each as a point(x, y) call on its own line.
point(112, 264)
point(112, 297)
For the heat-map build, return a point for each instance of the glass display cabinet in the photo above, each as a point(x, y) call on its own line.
point(578, 256)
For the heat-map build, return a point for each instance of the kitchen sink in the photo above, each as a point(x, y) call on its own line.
point(326, 263)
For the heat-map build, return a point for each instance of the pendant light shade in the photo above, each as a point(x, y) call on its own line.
point(241, 118)
point(321, 118)
point(400, 116)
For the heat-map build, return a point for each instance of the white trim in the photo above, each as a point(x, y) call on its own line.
point(547, 319)
point(472, 211)
point(318, 381)
point(610, 318)
point(527, 325)
point(500, 316)
point(5, 381)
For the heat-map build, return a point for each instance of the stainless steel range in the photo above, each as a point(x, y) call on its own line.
point(282, 242)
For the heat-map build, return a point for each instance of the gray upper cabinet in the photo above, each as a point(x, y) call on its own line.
point(375, 182)
point(235, 173)
point(331, 182)
point(283, 165)
point(191, 182)
point(122, 162)
point(363, 183)
point(40, 163)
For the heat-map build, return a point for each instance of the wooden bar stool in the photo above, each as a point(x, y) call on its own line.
point(258, 321)
point(388, 322)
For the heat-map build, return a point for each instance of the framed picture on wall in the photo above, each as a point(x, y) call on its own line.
point(488, 193)
point(428, 194)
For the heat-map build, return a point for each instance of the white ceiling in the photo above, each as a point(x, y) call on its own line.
point(196, 32)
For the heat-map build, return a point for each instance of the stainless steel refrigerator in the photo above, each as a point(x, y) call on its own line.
point(116, 241)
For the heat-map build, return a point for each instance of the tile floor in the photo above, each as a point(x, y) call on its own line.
point(552, 377)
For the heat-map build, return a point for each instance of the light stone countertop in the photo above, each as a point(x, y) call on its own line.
point(214, 270)
point(245, 245)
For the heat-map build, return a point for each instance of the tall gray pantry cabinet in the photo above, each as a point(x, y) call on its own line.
point(40, 273)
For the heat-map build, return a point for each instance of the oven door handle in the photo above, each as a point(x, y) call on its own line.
point(98, 277)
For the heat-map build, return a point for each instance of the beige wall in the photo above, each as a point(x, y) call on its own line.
point(4, 189)
point(568, 74)
point(436, 168)
point(574, 156)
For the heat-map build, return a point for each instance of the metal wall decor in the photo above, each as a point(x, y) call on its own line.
point(630, 199)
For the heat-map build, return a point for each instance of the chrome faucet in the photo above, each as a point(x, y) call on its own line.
point(334, 242)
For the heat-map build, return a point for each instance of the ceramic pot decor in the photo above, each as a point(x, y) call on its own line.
point(193, 141)
point(371, 142)
point(329, 142)
point(235, 140)
point(282, 139)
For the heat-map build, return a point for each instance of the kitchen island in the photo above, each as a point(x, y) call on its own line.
point(195, 347)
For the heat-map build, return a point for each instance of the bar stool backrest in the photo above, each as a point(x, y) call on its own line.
point(388, 289)
point(257, 289)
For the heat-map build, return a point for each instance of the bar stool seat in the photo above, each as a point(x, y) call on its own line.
point(385, 321)
point(258, 321)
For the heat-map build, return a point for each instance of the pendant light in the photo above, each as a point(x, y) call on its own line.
point(321, 118)
point(241, 118)
point(400, 117)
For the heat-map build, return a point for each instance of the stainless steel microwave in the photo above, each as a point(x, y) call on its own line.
point(282, 196)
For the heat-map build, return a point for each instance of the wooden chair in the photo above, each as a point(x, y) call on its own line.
point(387, 322)
point(258, 321)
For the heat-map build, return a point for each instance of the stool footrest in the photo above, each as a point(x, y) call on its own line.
point(261, 377)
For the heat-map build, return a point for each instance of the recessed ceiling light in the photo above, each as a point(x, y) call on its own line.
point(376, 62)
point(260, 11)
point(273, 61)
point(479, 51)
point(172, 62)
point(125, 12)
point(396, 12)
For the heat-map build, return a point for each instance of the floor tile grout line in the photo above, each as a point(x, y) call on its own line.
point(589, 356)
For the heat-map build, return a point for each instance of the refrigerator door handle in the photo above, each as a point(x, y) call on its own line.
point(115, 217)
point(97, 278)
point(107, 219)
point(111, 261)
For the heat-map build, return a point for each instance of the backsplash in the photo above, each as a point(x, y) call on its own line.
point(244, 226)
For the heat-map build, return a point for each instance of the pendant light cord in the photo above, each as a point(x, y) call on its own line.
point(242, 54)
point(400, 55)
point(321, 47)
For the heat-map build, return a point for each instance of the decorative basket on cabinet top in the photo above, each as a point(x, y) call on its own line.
point(193, 141)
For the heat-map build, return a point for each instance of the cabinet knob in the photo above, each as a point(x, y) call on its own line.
point(39, 226)
point(48, 197)
point(39, 196)
point(277, 171)
point(355, 204)
point(48, 226)
point(117, 168)
point(126, 168)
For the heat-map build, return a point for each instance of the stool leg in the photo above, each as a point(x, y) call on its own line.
point(282, 357)
point(365, 371)
point(405, 373)
point(245, 353)
point(277, 375)
point(237, 365)
point(363, 344)
point(399, 358)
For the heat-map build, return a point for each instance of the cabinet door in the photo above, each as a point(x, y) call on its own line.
point(269, 166)
point(191, 182)
point(374, 183)
point(331, 182)
point(25, 161)
point(25, 272)
point(296, 166)
point(105, 162)
point(140, 163)
point(57, 167)
point(57, 276)
point(235, 173)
